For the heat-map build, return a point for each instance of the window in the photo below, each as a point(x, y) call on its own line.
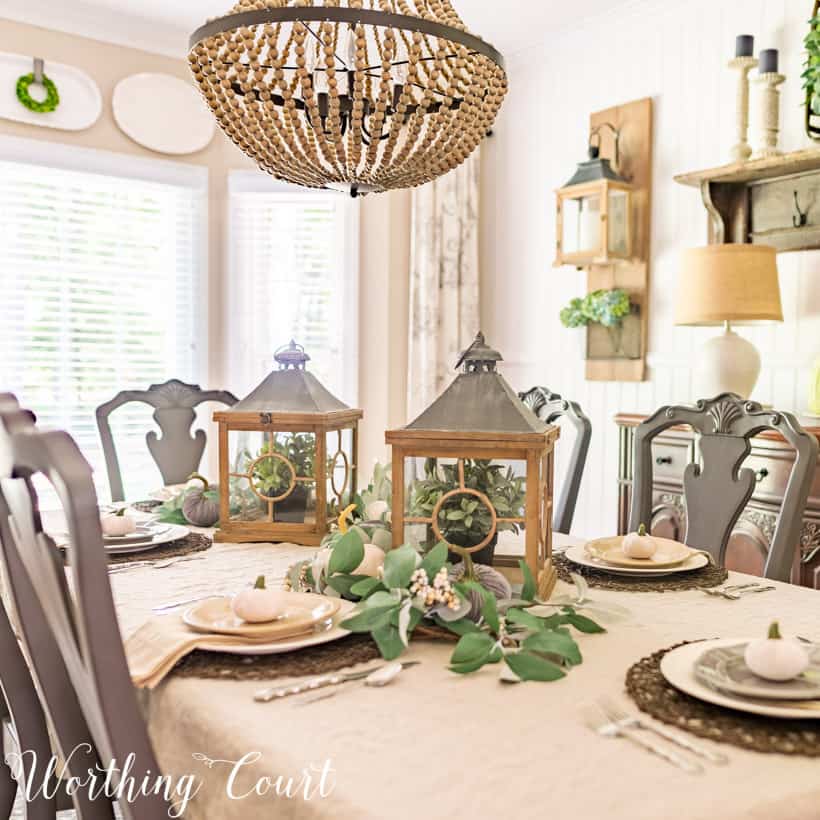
point(294, 275)
point(103, 274)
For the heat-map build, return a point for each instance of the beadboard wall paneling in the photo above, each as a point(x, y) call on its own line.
point(675, 53)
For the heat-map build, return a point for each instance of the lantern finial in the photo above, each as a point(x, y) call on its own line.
point(479, 357)
point(291, 355)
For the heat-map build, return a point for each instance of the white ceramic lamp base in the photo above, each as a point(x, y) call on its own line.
point(726, 364)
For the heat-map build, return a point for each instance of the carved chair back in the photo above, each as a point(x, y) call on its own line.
point(177, 454)
point(717, 490)
point(71, 637)
point(550, 407)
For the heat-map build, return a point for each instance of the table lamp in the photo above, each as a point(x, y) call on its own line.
point(719, 285)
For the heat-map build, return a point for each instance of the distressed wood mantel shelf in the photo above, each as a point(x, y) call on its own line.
point(773, 201)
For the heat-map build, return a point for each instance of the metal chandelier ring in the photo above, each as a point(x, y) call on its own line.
point(336, 14)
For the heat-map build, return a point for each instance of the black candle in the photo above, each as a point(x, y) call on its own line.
point(769, 61)
point(744, 45)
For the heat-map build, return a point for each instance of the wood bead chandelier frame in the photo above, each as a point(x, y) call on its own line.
point(356, 95)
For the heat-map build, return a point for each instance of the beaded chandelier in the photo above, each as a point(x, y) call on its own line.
point(356, 95)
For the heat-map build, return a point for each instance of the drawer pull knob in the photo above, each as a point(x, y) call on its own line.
point(660, 460)
point(761, 474)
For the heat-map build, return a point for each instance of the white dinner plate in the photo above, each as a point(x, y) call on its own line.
point(678, 667)
point(578, 555)
point(173, 533)
point(289, 645)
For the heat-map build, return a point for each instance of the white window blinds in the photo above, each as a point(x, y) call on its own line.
point(294, 275)
point(102, 283)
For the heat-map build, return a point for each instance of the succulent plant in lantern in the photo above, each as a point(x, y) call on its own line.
point(287, 457)
point(477, 463)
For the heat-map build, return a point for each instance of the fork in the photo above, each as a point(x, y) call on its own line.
point(722, 590)
point(605, 727)
point(620, 718)
point(736, 595)
point(160, 564)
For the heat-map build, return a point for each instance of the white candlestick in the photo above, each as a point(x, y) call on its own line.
point(743, 65)
point(769, 115)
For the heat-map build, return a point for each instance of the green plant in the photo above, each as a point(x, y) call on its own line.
point(272, 476)
point(603, 307)
point(465, 519)
point(45, 106)
point(811, 73)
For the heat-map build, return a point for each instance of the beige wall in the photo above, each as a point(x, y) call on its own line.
point(384, 240)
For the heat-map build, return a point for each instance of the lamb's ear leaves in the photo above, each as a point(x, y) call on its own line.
point(528, 590)
point(348, 553)
point(532, 667)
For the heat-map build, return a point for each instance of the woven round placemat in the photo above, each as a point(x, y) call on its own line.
point(653, 695)
point(191, 543)
point(318, 660)
point(145, 506)
point(709, 576)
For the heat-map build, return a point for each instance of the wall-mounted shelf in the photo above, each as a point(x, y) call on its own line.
point(773, 201)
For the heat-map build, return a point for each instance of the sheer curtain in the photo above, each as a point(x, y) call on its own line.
point(444, 281)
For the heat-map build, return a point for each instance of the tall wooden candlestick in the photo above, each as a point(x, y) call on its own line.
point(743, 65)
point(769, 113)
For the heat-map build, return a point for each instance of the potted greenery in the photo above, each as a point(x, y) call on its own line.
point(272, 476)
point(607, 308)
point(464, 520)
point(811, 75)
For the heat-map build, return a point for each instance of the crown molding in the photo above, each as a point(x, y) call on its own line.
point(85, 19)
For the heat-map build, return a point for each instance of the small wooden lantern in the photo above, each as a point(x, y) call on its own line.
point(477, 462)
point(287, 457)
point(594, 223)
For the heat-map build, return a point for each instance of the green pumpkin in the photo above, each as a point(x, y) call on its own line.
point(200, 505)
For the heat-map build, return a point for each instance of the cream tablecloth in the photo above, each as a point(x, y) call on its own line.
point(436, 745)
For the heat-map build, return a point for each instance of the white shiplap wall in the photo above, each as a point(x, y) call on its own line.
point(675, 53)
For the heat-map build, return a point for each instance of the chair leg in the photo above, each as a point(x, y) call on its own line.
point(8, 791)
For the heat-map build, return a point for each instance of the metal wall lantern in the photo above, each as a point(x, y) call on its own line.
point(477, 463)
point(594, 217)
point(288, 456)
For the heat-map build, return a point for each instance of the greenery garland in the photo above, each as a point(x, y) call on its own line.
point(51, 101)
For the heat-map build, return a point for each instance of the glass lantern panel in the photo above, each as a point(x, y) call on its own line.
point(618, 232)
point(271, 476)
point(464, 501)
point(339, 471)
point(581, 224)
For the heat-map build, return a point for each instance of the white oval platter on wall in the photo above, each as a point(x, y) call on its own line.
point(163, 113)
point(80, 100)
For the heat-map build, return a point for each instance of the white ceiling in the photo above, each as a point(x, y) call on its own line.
point(163, 26)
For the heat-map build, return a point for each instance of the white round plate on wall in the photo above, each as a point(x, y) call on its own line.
point(80, 99)
point(163, 113)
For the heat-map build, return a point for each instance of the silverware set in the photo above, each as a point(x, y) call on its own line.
point(609, 720)
point(735, 592)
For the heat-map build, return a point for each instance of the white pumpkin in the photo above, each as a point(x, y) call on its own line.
point(639, 544)
point(118, 524)
point(776, 658)
point(372, 562)
point(259, 605)
point(375, 510)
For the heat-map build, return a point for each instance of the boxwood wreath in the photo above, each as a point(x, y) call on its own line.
point(531, 640)
point(45, 106)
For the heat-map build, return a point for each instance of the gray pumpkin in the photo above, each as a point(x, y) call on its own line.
point(200, 505)
point(491, 579)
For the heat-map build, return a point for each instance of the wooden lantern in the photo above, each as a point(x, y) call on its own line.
point(287, 457)
point(594, 219)
point(475, 463)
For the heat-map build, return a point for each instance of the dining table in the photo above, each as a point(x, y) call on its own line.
point(435, 744)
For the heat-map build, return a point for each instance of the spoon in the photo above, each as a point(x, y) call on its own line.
point(378, 678)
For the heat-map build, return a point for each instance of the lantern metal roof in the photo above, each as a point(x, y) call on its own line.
point(479, 400)
point(290, 389)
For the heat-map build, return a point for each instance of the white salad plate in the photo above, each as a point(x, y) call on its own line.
point(324, 633)
point(578, 555)
point(679, 669)
point(165, 534)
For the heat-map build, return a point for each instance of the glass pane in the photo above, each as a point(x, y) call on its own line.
point(618, 223)
point(582, 225)
point(465, 501)
point(339, 470)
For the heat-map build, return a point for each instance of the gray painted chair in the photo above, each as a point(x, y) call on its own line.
point(72, 638)
point(550, 407)
point(717, 490)
point(176, 454)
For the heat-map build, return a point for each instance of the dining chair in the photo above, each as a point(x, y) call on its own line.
point(177, 454)
point(550, 407)
point(71, 636)
point(717, 489)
